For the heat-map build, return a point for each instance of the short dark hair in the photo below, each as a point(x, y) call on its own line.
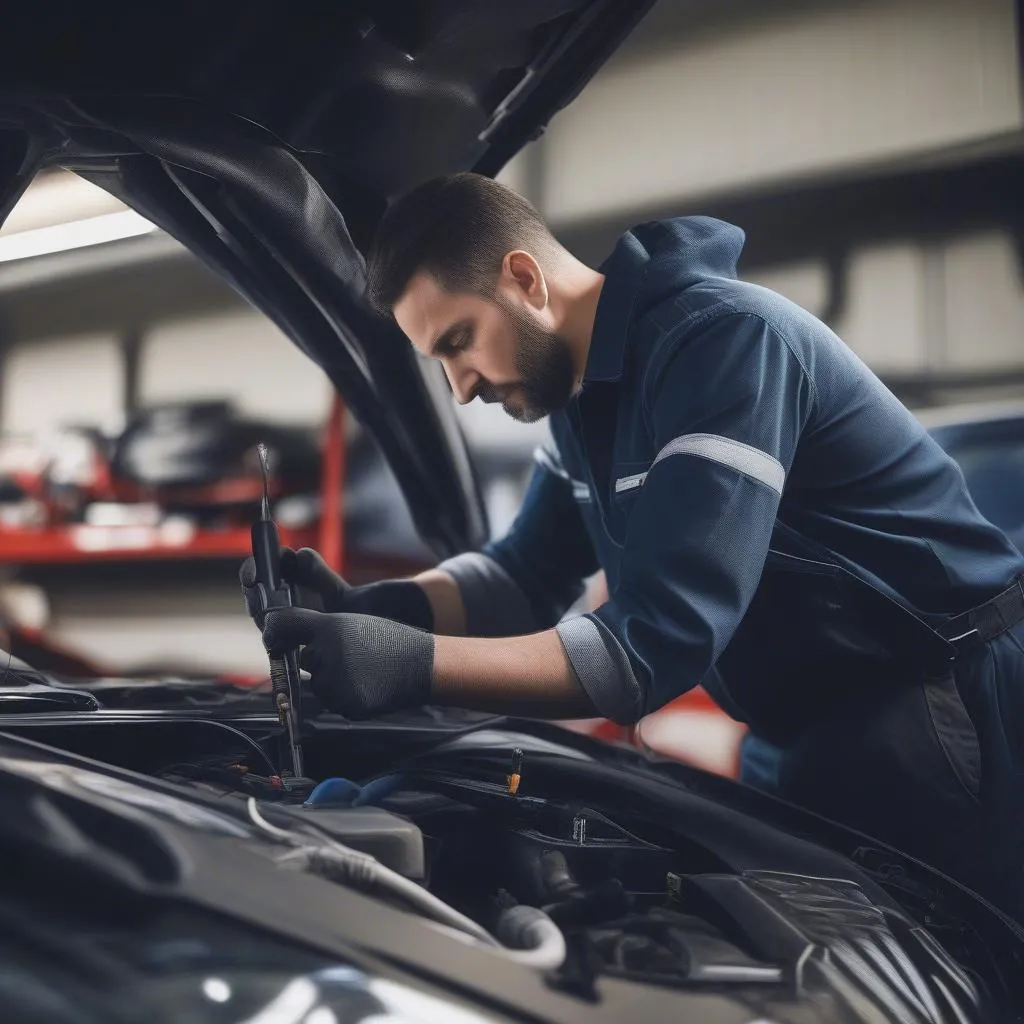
point(458, 229)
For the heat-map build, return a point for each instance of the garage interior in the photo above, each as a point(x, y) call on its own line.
point(872, 150)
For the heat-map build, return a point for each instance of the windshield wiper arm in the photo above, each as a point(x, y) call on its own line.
point(32, 696)
point(26, 689)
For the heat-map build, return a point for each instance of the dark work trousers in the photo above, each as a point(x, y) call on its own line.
point(934, 767)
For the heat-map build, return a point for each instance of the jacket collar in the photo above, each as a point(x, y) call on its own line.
point(624, 272)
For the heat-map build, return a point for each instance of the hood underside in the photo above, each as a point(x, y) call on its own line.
point(269, 141)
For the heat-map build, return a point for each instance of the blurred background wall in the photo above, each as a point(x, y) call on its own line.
point(871, 149)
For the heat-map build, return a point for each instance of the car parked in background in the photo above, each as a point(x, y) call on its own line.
point(988, 444)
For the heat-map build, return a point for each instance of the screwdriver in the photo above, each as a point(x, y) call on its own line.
point(275, 593)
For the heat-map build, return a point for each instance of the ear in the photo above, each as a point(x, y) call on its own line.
point(523, 274)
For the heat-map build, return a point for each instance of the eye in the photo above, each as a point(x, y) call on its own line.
point(462, 341)
point(455, 340)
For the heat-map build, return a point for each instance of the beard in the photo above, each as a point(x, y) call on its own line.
point(545, 368)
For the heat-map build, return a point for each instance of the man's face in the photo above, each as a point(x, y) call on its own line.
point(495, 348)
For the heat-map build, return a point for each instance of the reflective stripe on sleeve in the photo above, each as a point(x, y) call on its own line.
point(743, 458)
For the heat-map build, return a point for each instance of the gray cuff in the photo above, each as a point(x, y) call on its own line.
point(602, 668)
point(494, 604)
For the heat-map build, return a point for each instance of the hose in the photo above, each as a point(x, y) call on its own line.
point(336, 792)
point(367, 872)
point(537, 940)
point(340, 792)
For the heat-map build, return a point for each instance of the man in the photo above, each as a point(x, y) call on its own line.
point(772, 522)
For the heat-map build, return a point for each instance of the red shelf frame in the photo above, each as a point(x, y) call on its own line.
point(79, 544)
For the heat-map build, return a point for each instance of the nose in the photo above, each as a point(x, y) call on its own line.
point(464, 383)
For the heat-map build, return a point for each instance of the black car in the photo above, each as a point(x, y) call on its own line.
point(439, 866)
point(988, 445)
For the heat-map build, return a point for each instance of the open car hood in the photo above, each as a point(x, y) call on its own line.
point(269, 140)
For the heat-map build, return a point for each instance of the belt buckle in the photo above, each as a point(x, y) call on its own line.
point(962, 636)
point(956, 641)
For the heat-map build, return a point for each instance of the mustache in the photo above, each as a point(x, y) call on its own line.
point(490, 394)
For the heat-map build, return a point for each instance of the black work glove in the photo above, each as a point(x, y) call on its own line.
point(360, 665)
point(315, 585)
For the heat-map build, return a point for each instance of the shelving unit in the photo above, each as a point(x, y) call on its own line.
point(177, 539)
point(80, 544)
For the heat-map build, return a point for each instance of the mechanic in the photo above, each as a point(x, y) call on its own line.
point(772, 523)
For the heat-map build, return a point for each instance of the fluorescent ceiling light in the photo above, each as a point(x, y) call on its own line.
point(75, 234)
point(56, 197)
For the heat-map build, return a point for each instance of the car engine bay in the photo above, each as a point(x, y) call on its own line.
point(573, 858)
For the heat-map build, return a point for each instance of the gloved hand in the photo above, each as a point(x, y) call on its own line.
point(305, 596)
point(360, 665)
point(320, 588)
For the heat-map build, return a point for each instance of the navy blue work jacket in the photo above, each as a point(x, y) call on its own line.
point(771, 519)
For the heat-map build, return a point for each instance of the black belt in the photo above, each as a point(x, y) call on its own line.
point(981, 624)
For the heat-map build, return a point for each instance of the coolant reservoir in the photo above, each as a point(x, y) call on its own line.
point(395, 842)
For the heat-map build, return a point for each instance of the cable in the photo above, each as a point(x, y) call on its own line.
point(361, 869)
point(424, 901)
point(258, 819)
point(252, 743)
point(541, 943)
